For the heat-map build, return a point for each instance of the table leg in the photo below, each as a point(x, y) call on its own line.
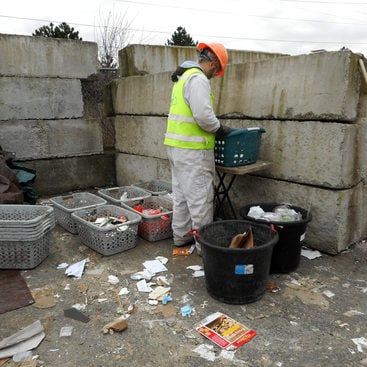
point(223, 190)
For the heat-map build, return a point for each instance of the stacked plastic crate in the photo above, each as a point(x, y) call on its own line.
point(25, 235)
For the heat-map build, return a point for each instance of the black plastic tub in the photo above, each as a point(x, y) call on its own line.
point(287, 252)
point(236, 276)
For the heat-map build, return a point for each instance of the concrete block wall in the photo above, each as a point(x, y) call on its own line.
point(41, 112)
point(314, 113)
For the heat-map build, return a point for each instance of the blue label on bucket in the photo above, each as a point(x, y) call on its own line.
point(244, 269)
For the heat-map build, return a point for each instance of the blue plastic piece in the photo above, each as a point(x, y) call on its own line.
point(186, 310)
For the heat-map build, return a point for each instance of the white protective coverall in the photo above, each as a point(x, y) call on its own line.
point(193, 170)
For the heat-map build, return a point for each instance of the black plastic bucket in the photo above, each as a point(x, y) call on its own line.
point(287, 252)
point(233, 275)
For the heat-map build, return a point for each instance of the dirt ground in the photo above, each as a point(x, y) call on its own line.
point(315, 317)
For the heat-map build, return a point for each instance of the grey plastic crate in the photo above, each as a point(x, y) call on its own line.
point(24, 216)
point(24, 254)
point(155, 187)
point(107, 240)
point(65, 205)
point(114, 195)
point(153, 227)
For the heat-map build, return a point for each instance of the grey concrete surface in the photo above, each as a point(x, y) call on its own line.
point(47, 57)
point(148, 59)
point(316, 318)
point(40, 98)
point(45, 139)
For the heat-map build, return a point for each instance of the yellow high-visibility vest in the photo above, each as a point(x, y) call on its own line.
point(182, 130)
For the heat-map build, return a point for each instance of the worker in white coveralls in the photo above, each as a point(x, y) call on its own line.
point(190, 137)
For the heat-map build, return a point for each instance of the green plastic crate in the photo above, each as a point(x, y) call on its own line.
point(239, 148)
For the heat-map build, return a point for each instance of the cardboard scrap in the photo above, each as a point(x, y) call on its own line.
point(116, 325)
point(43, 297)
point(22, 341)
point(244, 240)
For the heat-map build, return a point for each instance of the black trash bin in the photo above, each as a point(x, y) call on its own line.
point(287, 252)
point(235, 275)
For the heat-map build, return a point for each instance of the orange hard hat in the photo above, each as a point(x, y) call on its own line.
point(219, 51)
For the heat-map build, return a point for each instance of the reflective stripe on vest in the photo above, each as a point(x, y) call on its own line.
point(182, 130)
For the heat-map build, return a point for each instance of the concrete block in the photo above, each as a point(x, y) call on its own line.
point(337, 215)
point(35, 98)
point(309, 152)
point(321, 86)
point(47, 57)
point(143, 95)
point(60, 175)
point(141, 135)
point(134, 168)
point(43, 139)
point(148, 59)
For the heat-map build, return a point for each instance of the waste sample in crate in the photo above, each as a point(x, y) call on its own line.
point(107, 229)
point(156, 212)
point(66, 205)
point(239, 148)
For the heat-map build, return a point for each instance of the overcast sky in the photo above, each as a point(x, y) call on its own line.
point(284, 26)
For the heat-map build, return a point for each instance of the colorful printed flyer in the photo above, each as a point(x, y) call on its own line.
point(224, 331)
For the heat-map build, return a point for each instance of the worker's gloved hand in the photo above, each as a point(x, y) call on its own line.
point(222, 131)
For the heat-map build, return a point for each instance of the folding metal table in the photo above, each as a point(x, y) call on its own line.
point(222, 190)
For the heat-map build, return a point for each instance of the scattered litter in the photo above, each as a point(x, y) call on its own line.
point(101, 300)
point(162, 259)
point(113, 279)
point(186, 310)
point(22, 356)
point(79, 306)
point(183, 251)
point(206, 352)
point(143, 286)
point(123, 292)
point(76, 269)
point(67, 287)
point(224, 331)
point(154, 266)
point(145, 274)
point(116, 325)
point(22, 341)
point(257, 316)
point(198, 272)
point(162, 280)
point(159, 292)
point(153, 302)
point(167, 298)
point(362, 289)
point(361, 343)
point(227, 354)
point(310, 254)
point(73, 313)
point(271, 287)
point(204, 304)
point(328, 294)
point(353, 313)
point(66, 331)
point(194, 267)
point(62, 266)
